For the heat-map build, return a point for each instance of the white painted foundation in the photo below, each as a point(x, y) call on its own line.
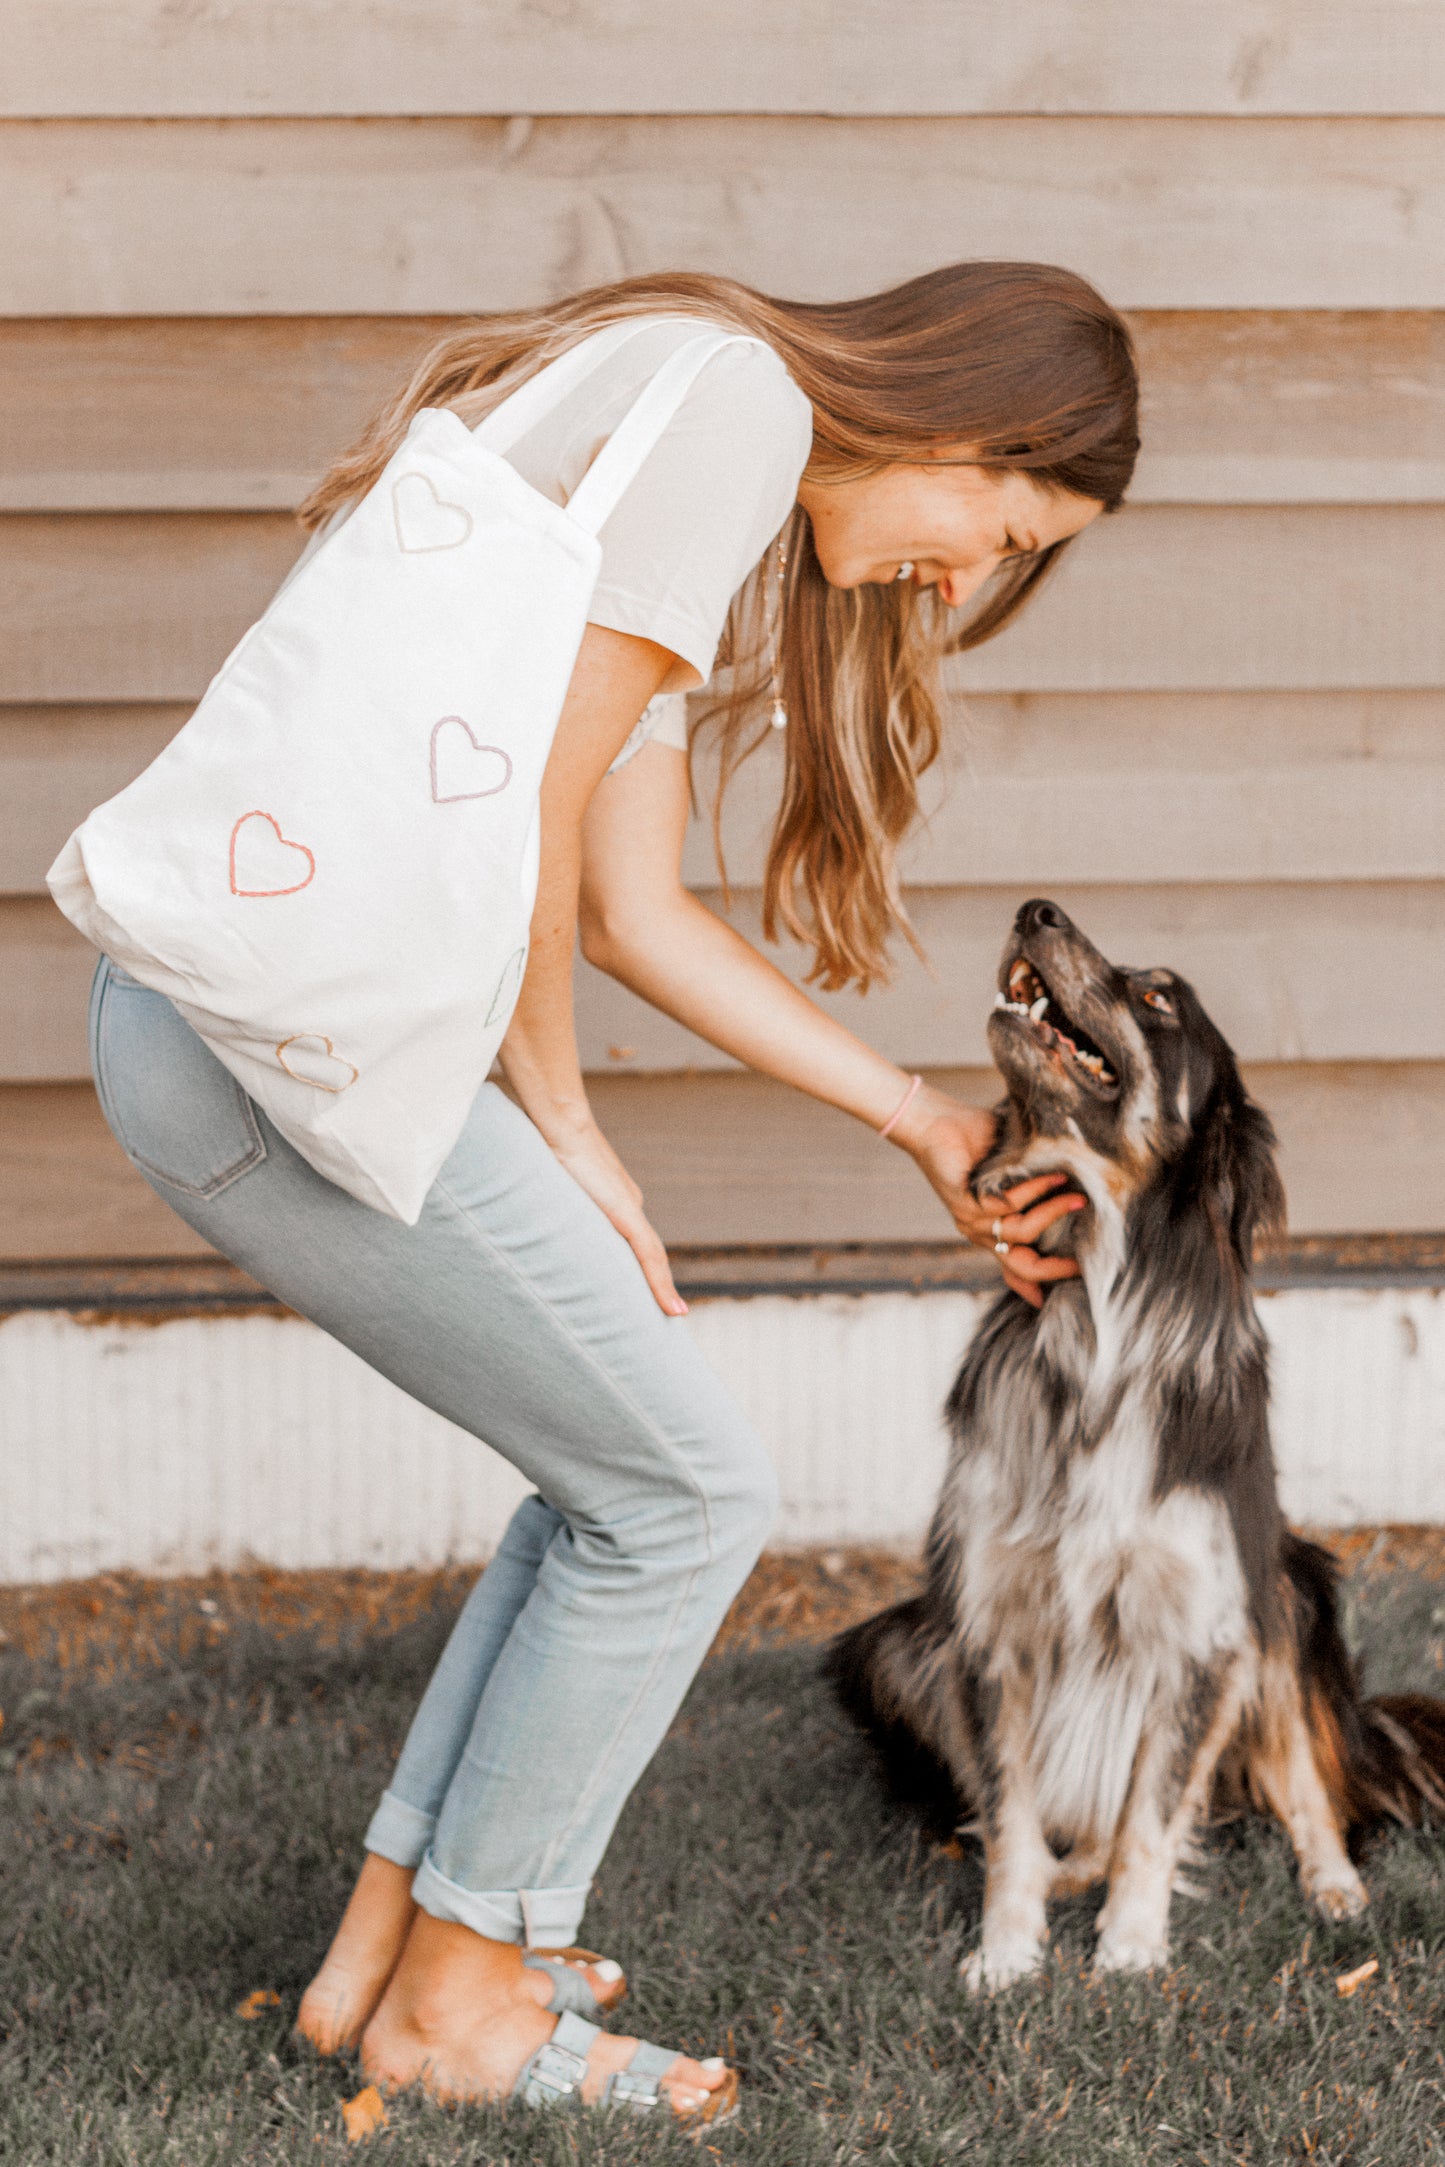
point(223, 1441)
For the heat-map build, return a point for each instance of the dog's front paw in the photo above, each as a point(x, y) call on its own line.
point(1129, 1952)
point(1338, 1895)
point(1001, 1964)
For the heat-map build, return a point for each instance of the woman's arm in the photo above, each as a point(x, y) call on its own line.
point(642, 926)
point(615, 677)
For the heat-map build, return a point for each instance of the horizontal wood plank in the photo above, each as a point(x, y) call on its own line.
point(58, 762)
point(729, 1159)
point(144, 607)
point(1196, 787)
point(214, 414)
point(738, 56)
point(1290, 973)
point(1199, 787)
point(416, 217)
point(132, 607)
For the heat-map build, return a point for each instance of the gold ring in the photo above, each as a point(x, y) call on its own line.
point(1001, 1249)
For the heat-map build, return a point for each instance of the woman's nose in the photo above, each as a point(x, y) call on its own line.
point(963, 582)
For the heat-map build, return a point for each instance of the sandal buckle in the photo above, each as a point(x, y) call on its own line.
point(557, 2073)
point(639, 2093)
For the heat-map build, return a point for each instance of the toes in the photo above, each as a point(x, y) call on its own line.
point(691, 2085)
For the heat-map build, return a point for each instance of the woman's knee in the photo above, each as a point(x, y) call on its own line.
point(744, 1507)
point(530, 1532)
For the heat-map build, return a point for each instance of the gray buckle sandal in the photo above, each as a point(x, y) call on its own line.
point(554, 2075)
point(570, 1990)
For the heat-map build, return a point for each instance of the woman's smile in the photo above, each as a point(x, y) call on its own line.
point(949, 526)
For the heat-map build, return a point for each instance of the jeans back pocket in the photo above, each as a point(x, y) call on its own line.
point(176, 1112)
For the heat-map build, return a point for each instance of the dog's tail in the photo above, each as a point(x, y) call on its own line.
point(1382, 1759)
point(887, 1672)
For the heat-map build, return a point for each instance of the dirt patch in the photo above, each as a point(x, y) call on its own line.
point(121, 1619)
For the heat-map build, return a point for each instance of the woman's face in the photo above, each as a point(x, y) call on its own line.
point(955, 525)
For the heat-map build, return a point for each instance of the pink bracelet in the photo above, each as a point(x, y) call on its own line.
point(902, 1107)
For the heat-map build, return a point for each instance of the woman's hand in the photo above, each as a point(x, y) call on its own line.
point(595, 1167)
point(946, 1139)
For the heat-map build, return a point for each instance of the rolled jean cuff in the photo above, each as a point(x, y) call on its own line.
point(540, 1918)
point(399, 1832)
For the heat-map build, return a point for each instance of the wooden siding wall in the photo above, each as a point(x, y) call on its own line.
point(1220, 737)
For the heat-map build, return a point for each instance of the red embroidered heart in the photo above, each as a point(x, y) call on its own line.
point(462, 766)
point(264, 861)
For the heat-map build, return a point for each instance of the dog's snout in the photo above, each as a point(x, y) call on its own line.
point(1039, 914)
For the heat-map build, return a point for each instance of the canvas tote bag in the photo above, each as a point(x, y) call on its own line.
point(331, 869)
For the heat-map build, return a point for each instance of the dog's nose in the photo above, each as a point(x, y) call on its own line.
point(1038, 914)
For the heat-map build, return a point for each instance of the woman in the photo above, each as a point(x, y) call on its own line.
point(902, 455)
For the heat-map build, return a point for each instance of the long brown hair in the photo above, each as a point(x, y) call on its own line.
point(1015, 367)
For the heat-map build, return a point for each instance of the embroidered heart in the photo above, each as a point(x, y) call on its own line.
point(423, 519)
point(508, 985)
point(462, 766)
point(312, 1059)
point(264, 861)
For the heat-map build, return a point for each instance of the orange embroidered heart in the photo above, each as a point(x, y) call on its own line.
point(266, 862)
point(311, 1058)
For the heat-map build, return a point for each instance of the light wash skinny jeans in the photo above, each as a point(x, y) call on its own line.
point(516, 1310)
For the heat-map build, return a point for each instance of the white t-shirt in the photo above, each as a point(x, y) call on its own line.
point(704, 506)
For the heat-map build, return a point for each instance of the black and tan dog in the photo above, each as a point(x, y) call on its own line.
point(1116, 1621)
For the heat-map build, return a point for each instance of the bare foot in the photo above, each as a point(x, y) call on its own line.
point(338, 2004)
point(460, 2018)
point(362, 1957)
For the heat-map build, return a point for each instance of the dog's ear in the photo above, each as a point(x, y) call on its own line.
point(1239, 1177)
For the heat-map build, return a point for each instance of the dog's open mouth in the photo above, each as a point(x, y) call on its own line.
point(1029, 997)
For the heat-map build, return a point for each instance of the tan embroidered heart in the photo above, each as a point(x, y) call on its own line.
point(423, 519)
point(462, 766)
point(312, 1059)
point(266, 862)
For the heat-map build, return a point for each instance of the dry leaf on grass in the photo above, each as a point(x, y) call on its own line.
point(364, 2115)
point(1350, 1982)
point(256, 2004)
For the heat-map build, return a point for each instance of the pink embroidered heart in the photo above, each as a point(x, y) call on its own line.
point(312, 1059)
point(462, 766)
point(423, 519)
point(264, 861)
point(509, 985)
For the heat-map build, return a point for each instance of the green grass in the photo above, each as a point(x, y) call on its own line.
point(176, 1834)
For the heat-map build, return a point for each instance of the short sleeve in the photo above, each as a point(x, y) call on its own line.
point(716, 487)
point(706, 503)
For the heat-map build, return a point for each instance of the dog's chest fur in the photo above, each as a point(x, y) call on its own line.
point(1063, 1564)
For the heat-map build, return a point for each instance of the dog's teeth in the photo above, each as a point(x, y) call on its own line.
point(1000, 1000)
point(1036, 1011)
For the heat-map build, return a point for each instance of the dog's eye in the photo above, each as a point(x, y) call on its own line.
point(1157, 1000)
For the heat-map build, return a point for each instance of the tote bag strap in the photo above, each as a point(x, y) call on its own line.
point(596, 496)
point(527, 405)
